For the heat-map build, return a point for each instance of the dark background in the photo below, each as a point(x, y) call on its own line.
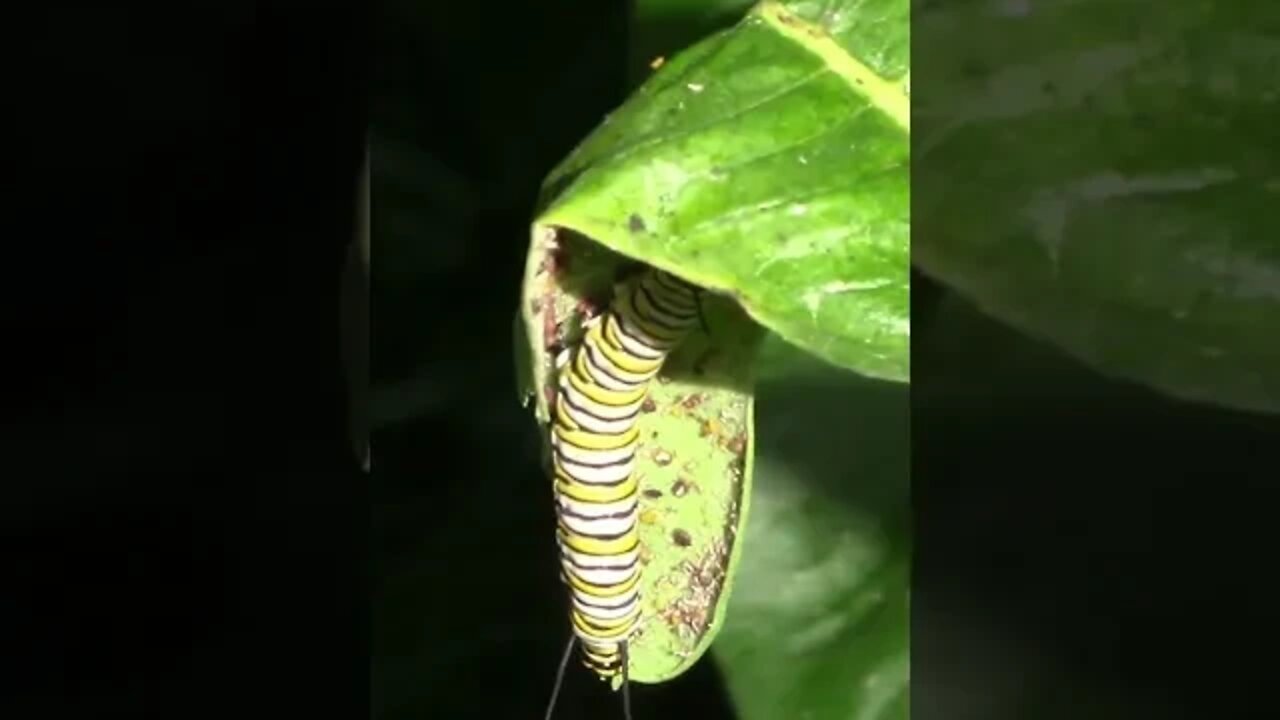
point(185, 531)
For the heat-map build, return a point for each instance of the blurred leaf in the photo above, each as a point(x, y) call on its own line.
point(423, 391)
point(768, 162)
point(976, 345)
point(354, 319)
point(1123, 221)
point(423, 207)
point(817, 626)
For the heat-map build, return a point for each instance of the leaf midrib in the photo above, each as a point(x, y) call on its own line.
point(887, 96)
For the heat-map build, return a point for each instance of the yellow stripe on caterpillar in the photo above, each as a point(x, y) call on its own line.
point(614, 335)
point(641, 367)
point(595, 592)
point(599, 633)
point(600, 546)
point(595, 441)
point(656, 336)
point(595, 493)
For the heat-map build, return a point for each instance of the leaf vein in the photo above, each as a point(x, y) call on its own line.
point(802, 142)
point(627, 150)
point(889, 97)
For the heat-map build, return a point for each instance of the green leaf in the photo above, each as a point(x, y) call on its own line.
point(818, 623)
point(769, 163)
point(1129, 217)
point(414, 190)
point(695, 471)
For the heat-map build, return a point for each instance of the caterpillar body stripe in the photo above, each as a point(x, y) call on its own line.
point(594, 436)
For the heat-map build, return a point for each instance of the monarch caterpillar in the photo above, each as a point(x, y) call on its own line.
point(594, 435)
